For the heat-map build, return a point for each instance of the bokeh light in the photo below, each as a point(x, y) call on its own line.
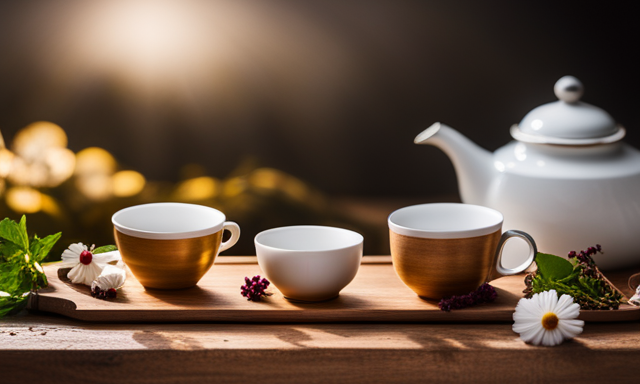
point(94, 160)
point(96, 186)
point(60, 163)
point(266, 178)
point(234, 186)
point(24, 199)
point(50, 206)
point(39, 157)
point(127, 183)
point(198, 188)
point(6, 159)
point(32, 142)
point(24, 173)
point(78, 193)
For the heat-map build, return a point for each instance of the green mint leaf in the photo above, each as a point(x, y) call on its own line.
point(9, 273)
point(39, 248)
point(15, 233)
point(553, 267)
point(12, 304)
point(16, 278)
point(19, 259)
point(8, 251)
point(104, 249)
point(23, 227)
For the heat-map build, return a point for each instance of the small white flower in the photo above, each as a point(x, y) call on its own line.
point(545, 319)
point(85, 266)
point(635, 299)
point(111, 277)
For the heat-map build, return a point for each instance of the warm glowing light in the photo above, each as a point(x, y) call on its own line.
point(296, 189)
point(61, 163)
point(39, 158)
point(6, 158)
point(234, 187)
point(199, 188)
point(97, 186)
point(266, 178)
point(24, 200)
point(31, 142)
point(147, 39)
point(50, 206)
point(22, 173)
point(127, 183)
point(19, 172)
point(94, 160)
point(272, 179)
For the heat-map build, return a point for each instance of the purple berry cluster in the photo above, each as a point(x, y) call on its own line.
point(98, 293)
point(584, 258)
point(254, 288)
point(484, 294)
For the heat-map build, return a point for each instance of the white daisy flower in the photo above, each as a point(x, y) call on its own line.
point(85, 266)
point(545, 319)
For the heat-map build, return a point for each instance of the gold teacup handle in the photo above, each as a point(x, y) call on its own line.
point(235, 235)
point(502, 271)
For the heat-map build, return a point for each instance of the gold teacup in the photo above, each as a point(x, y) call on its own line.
point(440, 250)
point(171, 245)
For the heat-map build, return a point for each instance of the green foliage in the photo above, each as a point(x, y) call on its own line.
point(20, 269)
point(553, 267)
point(14, 232)
point(10, 304)
point(105, 249)
point(580, 280)
point(39, 248)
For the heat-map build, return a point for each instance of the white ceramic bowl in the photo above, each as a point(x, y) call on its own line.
point(309, 263)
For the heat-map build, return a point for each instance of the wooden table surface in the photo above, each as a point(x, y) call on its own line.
point(36, 347)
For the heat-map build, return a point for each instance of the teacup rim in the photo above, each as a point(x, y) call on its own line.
point(445, 234)
point(156, 235)
point(308, 251)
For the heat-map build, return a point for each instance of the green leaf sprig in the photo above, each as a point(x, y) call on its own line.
point(20, 263)
point(579, 278)
point(104, 249)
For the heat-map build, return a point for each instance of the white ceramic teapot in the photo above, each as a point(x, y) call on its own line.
point(567, 179)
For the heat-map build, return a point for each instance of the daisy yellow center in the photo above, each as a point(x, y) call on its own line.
point(549, 321)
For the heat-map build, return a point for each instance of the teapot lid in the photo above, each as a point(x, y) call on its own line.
point(568, 121)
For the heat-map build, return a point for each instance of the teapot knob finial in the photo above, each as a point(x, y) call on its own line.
point(568, 89)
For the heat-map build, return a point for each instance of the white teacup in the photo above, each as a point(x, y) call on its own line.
point(309, 263)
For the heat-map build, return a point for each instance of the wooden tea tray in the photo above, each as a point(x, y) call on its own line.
point(375, 295)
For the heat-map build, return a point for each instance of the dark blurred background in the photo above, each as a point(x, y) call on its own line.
point(280, 112)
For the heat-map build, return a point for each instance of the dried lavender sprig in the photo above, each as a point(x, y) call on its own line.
point(484, 294)
point(255, 288)
point(589, 267)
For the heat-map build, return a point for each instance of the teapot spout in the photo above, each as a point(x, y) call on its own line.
point(473, 164)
